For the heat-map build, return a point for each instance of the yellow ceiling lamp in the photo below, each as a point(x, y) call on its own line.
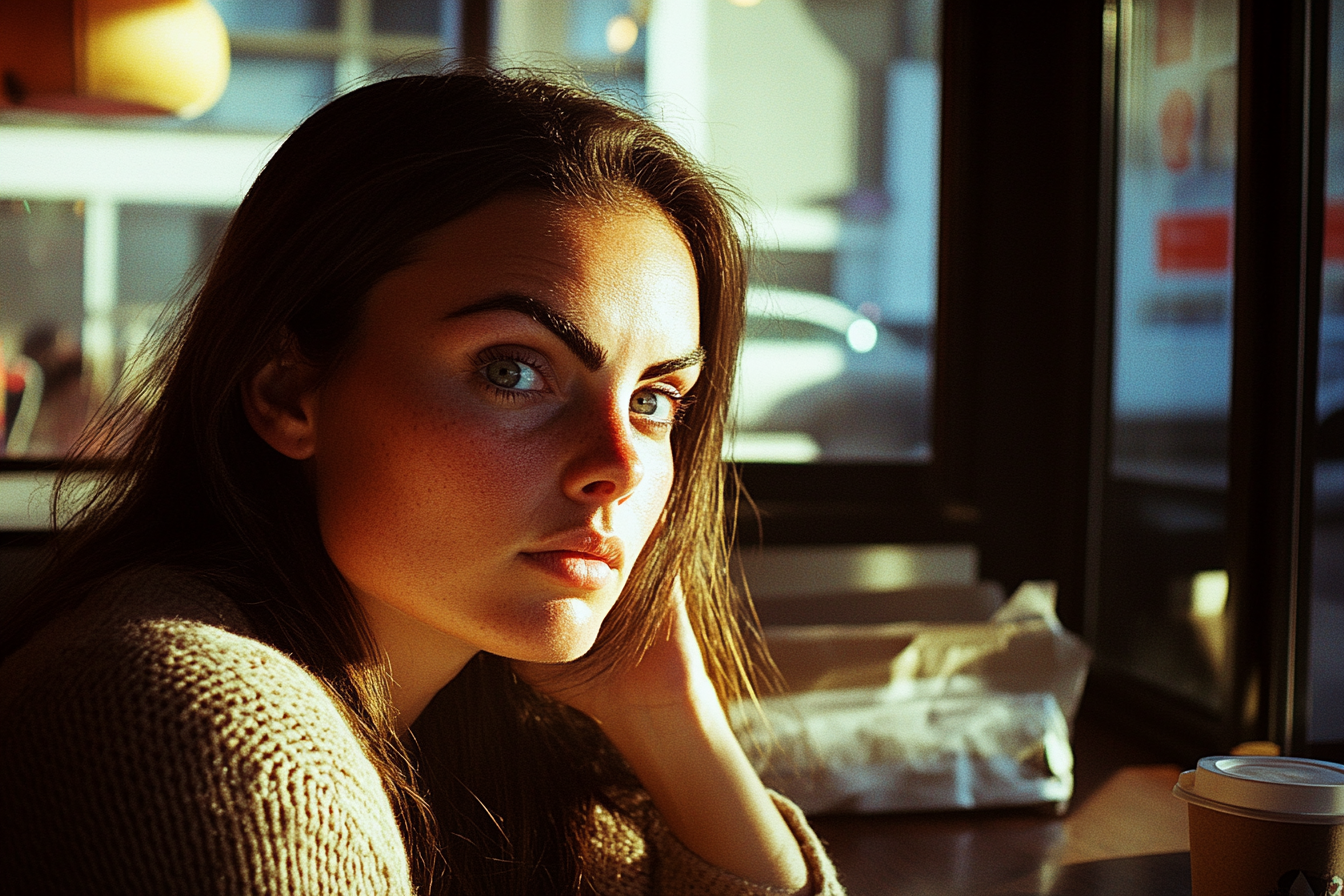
point(136, 57)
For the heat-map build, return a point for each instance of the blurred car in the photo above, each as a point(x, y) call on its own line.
point(819, 381)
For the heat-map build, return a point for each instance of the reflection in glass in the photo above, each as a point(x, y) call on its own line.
point(160, 248)
point(271, 94)
point(823, 381)
point(84, 285)
point(1163, 586)
point(1173, 321)
point(46, 397)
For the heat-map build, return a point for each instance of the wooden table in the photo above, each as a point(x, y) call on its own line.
point(1125, 834)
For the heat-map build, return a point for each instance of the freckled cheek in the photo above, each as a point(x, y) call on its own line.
point(457, 460)
point(417, 473)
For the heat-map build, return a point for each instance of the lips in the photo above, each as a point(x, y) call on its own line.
point(582, 559)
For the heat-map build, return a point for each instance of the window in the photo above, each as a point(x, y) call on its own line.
point(102, 221)
point(824, 115)
point(1164, 583)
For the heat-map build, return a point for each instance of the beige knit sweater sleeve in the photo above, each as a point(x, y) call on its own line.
point(166, 754)
point(678, 870)
point(638, 855)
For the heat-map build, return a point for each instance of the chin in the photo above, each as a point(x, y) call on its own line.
point(562, 633)
point(566, 647)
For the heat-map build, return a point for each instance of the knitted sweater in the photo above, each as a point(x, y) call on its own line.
point(149, 744)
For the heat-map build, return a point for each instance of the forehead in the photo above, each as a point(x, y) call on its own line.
point(527, 225)
point(625, 253)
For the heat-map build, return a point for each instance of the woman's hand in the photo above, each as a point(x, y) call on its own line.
point(665, 717)
point(671, 673)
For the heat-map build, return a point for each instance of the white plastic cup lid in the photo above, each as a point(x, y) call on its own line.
point(1275, 788)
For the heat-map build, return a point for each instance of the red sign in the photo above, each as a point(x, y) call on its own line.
point(1189, 242)
point(1334, 231)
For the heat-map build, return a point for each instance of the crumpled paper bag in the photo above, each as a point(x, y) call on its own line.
point(923, 716)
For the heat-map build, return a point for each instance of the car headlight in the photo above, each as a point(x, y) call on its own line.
point(862, 335)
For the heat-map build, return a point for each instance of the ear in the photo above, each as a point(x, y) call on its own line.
point(280, 401)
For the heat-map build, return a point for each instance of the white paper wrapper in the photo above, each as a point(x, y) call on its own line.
point(919, 716)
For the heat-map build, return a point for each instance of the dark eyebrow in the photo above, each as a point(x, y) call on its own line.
point(589, 353)
point(663, 368)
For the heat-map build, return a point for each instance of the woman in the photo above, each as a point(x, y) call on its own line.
point(413, 576)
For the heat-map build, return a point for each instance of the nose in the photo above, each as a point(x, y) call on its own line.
point(606, 467)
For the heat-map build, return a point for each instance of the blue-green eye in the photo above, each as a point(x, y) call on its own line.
point(507, 373)
point(655, 404)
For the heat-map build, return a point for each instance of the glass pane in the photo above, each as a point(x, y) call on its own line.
point(605, 41)
point(84, 284)
point(412, 16)
point(1164, 585)
point(159, 248)
point(41, 318)
point(825, 115)
point(604, 30)
point(271, 94)
point(277, 15)
point(1326, 676)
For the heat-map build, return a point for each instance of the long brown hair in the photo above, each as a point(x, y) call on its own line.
point(497, 790)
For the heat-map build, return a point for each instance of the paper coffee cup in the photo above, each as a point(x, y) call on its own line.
point(1265, 826)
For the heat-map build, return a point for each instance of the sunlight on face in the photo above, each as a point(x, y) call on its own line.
point(495, 451)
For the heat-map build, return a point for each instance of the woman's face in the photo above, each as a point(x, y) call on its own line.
point(494, 453)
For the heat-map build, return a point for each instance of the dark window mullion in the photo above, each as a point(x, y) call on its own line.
point(1276, 312)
